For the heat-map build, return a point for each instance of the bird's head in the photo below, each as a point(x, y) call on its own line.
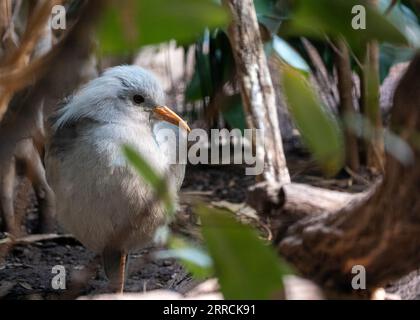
point(120, 93)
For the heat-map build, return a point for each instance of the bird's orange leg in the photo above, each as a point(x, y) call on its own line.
point(115, 262)
point(121, 275)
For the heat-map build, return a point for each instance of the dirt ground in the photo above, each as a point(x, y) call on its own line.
point(26, 269)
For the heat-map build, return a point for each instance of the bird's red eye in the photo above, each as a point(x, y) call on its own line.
point(138, 99)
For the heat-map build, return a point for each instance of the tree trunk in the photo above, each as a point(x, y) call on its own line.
point(346, 107)
point(257, 90)
point(327, 85)
point(370, 105)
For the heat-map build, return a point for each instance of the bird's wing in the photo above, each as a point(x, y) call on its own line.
point(60, 145)
point(62, 139)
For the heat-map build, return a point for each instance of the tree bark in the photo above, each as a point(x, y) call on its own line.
point(257, 90)
point(327, 85)
point(346, 107)
point(375, 153)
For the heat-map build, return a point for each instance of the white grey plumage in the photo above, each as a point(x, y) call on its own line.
point(99, 196)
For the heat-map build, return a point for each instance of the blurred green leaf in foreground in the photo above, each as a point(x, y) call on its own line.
point(333, 18)
point(194, 258)
point(127, 25)
point(246, 267)
point(320, 131)
point(394, 144)
point(288, 54)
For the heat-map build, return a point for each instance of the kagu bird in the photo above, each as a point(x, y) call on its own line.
point(99, 197)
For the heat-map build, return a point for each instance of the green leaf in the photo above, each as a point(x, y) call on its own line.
point(201, 84)
point(394, 144)
point(149, 175)
point(246, 267)
point(270, 13)
point(194, 90)
point(405, 20)
point(233, 112)
point(194, 258)
point(127, 25)
point(213, 67)
point(320, 131)
point(288, 54)
point(334, 18)
point(391, 55)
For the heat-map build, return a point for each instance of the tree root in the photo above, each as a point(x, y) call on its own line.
point(325, 233)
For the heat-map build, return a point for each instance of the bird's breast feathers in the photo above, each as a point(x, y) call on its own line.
point(97, 191)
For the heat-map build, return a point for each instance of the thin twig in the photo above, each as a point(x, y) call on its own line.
point(35, 238)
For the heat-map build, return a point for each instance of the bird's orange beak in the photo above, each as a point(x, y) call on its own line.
point(166, 114)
